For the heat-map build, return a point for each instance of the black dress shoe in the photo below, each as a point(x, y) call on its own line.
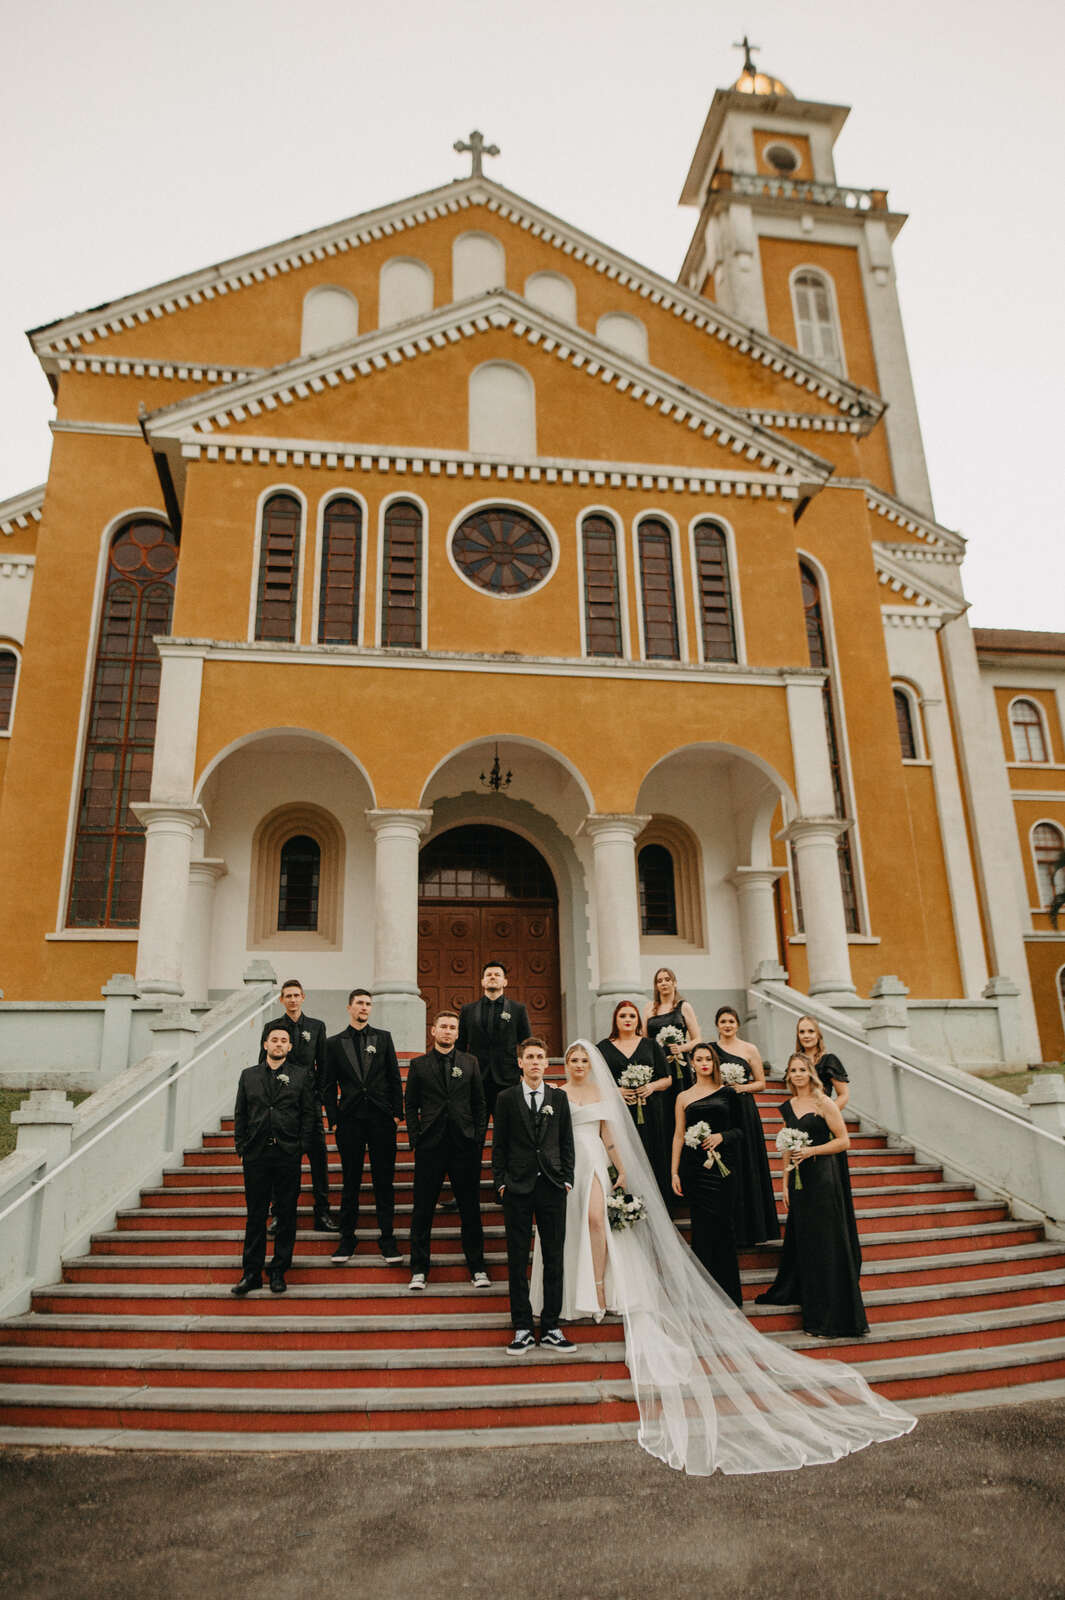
point(277, 1283)
point(250, 1281)
point(449, 1205)
point(325, 1222)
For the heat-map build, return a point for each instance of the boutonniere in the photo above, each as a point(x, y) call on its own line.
point(306, 1034)
point(371, 1049)
point(282, 1077)
point(456, 1072)
point(549, 1111)
point(504, 1016)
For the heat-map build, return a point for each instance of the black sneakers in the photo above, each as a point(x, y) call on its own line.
point(521, 1343)
point(555, 1339)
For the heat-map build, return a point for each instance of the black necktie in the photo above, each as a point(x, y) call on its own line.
point(534, 1102)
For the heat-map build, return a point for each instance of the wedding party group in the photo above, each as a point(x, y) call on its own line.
point(653, 1121)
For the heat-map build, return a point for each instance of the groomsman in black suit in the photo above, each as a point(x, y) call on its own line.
point(272, 1121)
point(363, 1098)
point(532, 1168)
point(492, 1029)
point(308, 1050)
point(446, 1120)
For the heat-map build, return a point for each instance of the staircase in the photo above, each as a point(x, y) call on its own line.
point(142, 1344)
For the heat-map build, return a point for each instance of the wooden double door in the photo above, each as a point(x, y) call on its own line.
point(456, 940)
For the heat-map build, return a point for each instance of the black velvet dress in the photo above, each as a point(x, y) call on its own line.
point(671, 1019)
point(711, 1196)
point(819, 1262)
point(830, 1070)
point(656, 1129)
point(756, 1204)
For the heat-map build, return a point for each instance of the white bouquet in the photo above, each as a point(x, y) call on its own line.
point(733, 1073)
point(671, 1039)
point(625, 1210)
point(694, 1140)
point(637, 1076)
point(789, 1142)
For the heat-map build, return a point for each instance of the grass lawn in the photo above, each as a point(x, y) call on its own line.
point(10, 1100)
point(1017, 1082)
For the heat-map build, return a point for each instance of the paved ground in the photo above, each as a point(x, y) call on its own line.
point(970, 1505)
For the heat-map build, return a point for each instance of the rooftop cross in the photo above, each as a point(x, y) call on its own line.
point(477, 149)
point(748, 54)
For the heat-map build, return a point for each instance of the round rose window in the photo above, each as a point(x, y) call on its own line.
point(502, 550)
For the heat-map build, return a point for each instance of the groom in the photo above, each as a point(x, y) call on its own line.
point(532, 1168)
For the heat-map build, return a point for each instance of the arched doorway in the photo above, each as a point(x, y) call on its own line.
point(485, 892)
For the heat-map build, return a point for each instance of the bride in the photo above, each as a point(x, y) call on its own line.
point(713, 1393)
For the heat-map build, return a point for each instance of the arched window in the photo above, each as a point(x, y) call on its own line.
point(279, 564)
point(904, 720)
point(816, 329)
point(401, 584)
point(553, 293)
point(297, 896)
point(8, 679)
point(658, 591)
point(1061, 993)
point(105, 890)
point(602, 595)
point(478, 263)
point(623, 333)
point(715, 593)
point(338, 594)
point(330, 317)
point(1048, 846)
point(817, 645)
point(502, 414)
point(405, 290)
point(1029, 737)
point(658, 894)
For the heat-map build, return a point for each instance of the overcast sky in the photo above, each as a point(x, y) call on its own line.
point(143, 140)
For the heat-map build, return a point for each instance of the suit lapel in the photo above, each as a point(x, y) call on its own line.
point(352, 1054)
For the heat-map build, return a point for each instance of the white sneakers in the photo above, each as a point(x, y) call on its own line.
point(481, 1280)
point(417, 1281)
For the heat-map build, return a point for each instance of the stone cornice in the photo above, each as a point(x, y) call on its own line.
point(897, 573)
point(811, 421)
point(21, 509)
point(70, 333)
point(902, 515)
point(147, 367)
point(499, 310)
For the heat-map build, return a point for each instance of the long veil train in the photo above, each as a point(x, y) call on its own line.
point(713, 1392)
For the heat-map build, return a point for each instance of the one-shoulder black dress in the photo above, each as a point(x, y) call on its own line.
point(830, 1070)
point(756, 1204)
point(710, 1194)
point(819, 1261)
point(656, 1129)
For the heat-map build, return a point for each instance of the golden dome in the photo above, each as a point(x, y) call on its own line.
point(760, 83)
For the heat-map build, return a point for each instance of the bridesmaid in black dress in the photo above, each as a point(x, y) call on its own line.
point(710, 1193)
point(669, 1009)
point(756, 1204)
point(628, 1045)
point(819, 1263)
point(809, 1042)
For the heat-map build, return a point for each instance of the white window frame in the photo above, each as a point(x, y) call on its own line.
point(532, 512)
point(829, 283)
point(1040, 711)
point(734, 587)
point(623, 583)
point(679, 599)
point(256, 558)
point(379, 587)
point(916, 722)
point(8, 646)
point(319, 551)
point(1043, 822)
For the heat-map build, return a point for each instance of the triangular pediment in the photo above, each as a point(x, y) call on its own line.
point(92, 332)
point(21, 510)
point(331, 401)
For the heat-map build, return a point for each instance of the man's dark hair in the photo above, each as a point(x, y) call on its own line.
point(354, 992)
point(440, 1014)
point(280, 1028)
point(293, 983)
point(532, 1043)
point(500, 964)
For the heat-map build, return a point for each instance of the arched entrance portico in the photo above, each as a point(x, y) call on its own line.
point(484, 892)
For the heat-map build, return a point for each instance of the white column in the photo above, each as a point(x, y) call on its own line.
point(398, 1005)
point(203, 877)
point(758, 917)
point(617, 909)
point(813, 835)
point(164, 897)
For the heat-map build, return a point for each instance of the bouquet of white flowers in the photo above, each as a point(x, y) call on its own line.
point(625, 1210)
point(732, 1072)
point(789, 1141)
point(637, 1076)
point(671, 1039)
point(694, 1140)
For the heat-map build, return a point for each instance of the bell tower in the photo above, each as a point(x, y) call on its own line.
point(784, 246)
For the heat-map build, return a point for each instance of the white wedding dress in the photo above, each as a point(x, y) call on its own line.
point(714, 1394)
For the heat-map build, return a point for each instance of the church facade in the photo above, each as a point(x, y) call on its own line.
point(443, 585)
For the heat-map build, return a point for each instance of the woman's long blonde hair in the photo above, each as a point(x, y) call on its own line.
point(799, 1051)
point(797, 1055)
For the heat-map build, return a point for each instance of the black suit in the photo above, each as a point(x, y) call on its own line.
point(532, 1163)
point(308, 1050)
point(492, 1030)
point(363, 1096)
point(446, 1120)
point(272, 1122)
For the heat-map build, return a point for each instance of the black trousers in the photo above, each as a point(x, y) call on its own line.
point(318, 1159)
point(375, 1131)
point(546, 1206)
point(459, 1160)
point(273, 1177)
point(492, 1089)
